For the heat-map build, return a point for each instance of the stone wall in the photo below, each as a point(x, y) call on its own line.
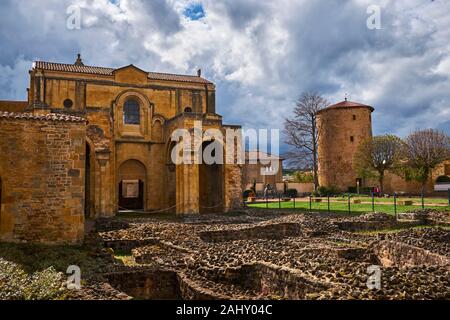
point(147, 284)
point(269, 279)
point(252, 173)
point(269, 231)
point(42, 174)
point(398, 254)
point(233, 187)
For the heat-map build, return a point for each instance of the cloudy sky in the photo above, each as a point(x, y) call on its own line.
point(261, 54)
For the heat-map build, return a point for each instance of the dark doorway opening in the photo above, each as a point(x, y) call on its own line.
point(0, 195)
point(211, 184)
point(131, 195)
point(171, 179)
point(87, 182)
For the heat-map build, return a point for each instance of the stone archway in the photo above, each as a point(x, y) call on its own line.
point(211, 185)
point(132, 183)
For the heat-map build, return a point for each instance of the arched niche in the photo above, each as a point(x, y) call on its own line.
point(158, 128)
point(132, 179)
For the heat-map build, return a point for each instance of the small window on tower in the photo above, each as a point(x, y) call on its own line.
point(354, 117)
point(352, 139)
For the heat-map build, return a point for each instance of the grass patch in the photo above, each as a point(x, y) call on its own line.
point(35, 258)
point(338, 207)
point(126, 260)
point(388, 231)
point(416, 200)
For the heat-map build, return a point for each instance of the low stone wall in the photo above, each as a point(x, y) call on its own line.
point(270, 231)
point(354, 226)
point(155, 284)
point(399, 254)
point(189, 290)
point(108, 224)
point(269, 280)
point(147, 284)
point(125, 245)
point(287, 283)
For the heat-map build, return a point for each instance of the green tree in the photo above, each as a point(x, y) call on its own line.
point(377, 155)
point(423, 150)
point(303, 177)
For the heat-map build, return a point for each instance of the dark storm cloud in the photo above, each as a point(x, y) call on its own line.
point(261, 54)
point(241, 13)
point(165, 17)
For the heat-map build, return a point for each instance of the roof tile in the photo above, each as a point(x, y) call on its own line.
point(61, 67)
point(41, 117)
point(347, 104)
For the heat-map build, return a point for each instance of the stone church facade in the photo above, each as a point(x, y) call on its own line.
point(118, 156)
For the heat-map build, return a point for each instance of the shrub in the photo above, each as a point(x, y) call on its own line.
point(443, 179)
point(13, 281)
point(45, 285)
point(327, 192)
point(366, 190)
point(291, 193)
point(15, 284)
point(352, 190)
point(248, 193)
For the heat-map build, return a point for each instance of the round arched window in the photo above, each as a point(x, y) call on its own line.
point(68, 103)
point(131, 112)
point(188, 109)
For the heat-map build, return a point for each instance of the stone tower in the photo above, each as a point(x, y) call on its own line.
point(342, 127)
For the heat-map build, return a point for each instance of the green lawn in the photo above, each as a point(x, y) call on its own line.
point(416, 200)
point(341, 207)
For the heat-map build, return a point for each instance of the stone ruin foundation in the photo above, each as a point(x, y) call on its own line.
point(279, 256)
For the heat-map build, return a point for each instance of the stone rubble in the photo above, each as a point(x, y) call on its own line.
point(257, 259)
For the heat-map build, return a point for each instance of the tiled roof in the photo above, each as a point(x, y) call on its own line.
point(61, 67)
point(41, 117)
point(348, 104)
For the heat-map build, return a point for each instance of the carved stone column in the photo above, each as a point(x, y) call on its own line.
point(103, 185)
point(188, 189)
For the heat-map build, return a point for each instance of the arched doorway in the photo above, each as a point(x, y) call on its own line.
point(211, 183)
point(132, 178)
point(87, 182)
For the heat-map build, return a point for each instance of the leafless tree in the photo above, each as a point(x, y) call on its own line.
point(377, 155)
point(423, 151)
point(302, 133)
